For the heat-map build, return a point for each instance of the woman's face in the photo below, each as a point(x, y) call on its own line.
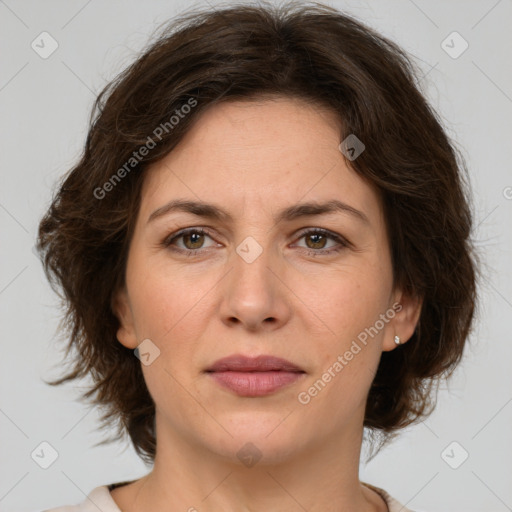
point(260, 283)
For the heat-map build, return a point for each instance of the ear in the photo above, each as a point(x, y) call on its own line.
point(407, 309)
point(123, 311)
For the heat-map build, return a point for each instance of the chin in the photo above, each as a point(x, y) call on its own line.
point(257, 439)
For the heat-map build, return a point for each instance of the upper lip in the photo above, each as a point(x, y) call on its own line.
point(263, 363)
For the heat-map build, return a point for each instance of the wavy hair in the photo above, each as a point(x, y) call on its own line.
point(311, 52)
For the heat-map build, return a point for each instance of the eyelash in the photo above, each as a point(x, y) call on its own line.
point(167, 242)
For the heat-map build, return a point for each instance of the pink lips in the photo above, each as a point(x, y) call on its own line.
point(257, 376)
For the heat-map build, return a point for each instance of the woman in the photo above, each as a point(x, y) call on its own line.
point(264, 249)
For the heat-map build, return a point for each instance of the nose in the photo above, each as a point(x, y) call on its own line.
point(255, 295)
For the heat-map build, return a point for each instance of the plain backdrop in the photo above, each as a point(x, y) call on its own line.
point(45, 105)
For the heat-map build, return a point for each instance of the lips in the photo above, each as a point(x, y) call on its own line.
point(239, 363)
point(256, 376)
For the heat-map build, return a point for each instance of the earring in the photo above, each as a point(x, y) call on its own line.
point(397, 340)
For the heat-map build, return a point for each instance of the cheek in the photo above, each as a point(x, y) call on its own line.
point(349, 301)
point(351, 342)
point(348, 353)
point(167, 300)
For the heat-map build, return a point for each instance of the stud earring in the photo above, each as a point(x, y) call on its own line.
point(397, 340)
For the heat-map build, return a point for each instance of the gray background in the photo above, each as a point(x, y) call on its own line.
point(45, 105)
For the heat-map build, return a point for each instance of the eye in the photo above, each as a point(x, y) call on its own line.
point(192, 239)
point(316, 240)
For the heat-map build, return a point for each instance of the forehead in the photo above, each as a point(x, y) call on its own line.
point(259, 154)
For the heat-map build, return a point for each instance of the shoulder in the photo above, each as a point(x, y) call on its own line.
point(393, 505)
point(98, 499)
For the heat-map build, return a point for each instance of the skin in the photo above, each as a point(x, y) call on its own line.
point(254, 159)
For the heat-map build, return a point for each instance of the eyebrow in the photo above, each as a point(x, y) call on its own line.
point(211, 211)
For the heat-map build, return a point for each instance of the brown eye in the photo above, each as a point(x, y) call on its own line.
point(187, 240)
point(318, 240)
point(195, 239)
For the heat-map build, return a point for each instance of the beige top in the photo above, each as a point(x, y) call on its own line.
point(101, 499)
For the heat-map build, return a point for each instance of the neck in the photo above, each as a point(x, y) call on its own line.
point(188, 476)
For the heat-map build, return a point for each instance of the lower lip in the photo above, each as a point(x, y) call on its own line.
point(255, 383)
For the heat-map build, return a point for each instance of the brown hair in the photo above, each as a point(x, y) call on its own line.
point(319, 55)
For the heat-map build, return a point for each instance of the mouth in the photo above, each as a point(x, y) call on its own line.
point(240, 363)
point(253, 377)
